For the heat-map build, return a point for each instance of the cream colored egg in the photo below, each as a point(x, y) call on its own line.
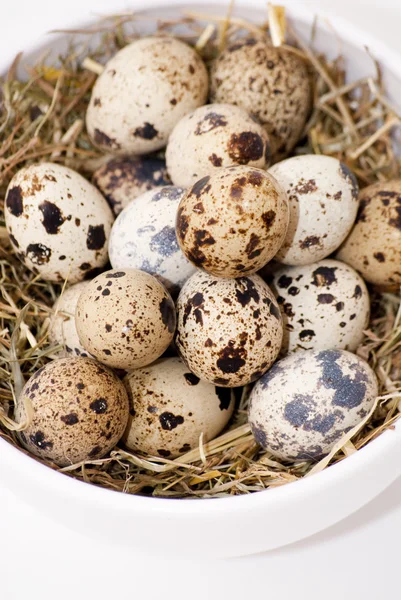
point(323, 199)
point(171, 408)
point(270, 83)
point(143, 237)
point(374, 245)
point(232, 222)
point(306, 402)
point(123, 179)
point(59, 223)
point(125, 319)
point(62, 330)
point(80, 411)
point(229, 331)
point(214, 136)
point(325, 305)
point(144, 90)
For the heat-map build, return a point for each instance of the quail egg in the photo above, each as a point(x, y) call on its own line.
point(323, 199)
point(306, 402)
point(213, 136)
point(125, 319)
point(80, 411)
point(143, 237)
point(62, 326)
point(171, 407)
point(58, 222)
point(232, 222)
point(122, 179)
point(325, 305)
point(374, 245)
point(270, 83)
point(144, 90)
point(229, 331)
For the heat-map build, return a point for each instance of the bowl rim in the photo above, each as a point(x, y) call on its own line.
point(386, 442)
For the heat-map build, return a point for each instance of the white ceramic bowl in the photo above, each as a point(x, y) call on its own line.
point(239, 525)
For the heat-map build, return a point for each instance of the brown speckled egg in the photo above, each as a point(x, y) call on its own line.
point(171, 407)
point(123, 179)
point(306, 402)
point(323, 200)
point(233, 222)
point(62, 323)
point(325, 306)
point(80, 411)
point(374, 245)
point(125, 318)
point(213, 136)
point(271, 83)
point(229, 331)
point(59, 223)
point(144, 90)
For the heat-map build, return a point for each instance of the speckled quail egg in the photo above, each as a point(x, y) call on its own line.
point(271, 83)
point(229, 331)
point(171, 408)
point(62, 329)
point(374, 245)
point(213, 136)
point(125, 319)
point(122, 179)
point(144, 90)
point(232, 222)
point(143, 237)
point(80, 411)
point(306, 402)
point(59, 223)
point(325, 305)
point(323, 198)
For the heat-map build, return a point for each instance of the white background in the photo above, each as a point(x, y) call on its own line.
point(40, 560)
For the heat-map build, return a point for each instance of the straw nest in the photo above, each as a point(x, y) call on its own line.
point(42, 118)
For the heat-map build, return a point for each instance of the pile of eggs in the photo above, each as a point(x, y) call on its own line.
point(231, 262)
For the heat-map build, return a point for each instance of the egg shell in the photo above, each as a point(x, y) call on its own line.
point(144, 90)
point(214, 136)
point(59, 223)
point(229, 331)
point(306, 402)
point(325, 305)
point(143, 237)
point(125, 319)
point(62, 324)
point(323, 200)
point(171, 408)
point(80, 411)
point(233, 222)
point(123, 179)
point(270, 83)
point(374, 245)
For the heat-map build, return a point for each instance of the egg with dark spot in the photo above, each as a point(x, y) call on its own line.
point(374, 245)
point(171, 408)
point(232, 222)
point(325, 310)
point(214, 136)
point(323, 202)
point(125, 318)
point(58, 222)
point(306, 402)
point(65, 428)
point(229, 331)
point(143, 237)
point(144, 90)
point(62, 330)
point(123, 179)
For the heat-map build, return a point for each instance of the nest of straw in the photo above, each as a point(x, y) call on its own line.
point(42, 118)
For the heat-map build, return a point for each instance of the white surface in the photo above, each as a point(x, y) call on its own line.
point(43, 560)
